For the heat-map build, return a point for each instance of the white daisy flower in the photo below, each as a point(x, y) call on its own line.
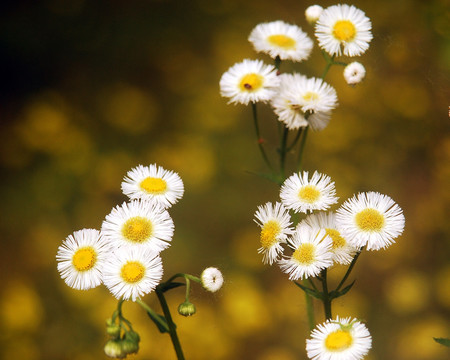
point(279, 39)
point(212, 279)
point(275, 223)
point(81, 258)
point(312, 253)
point(313, 12)
point(300, 101)
point(139, 224)
point(249, 81)
point(343, 29)
point(131, 273)
point(153, 183)
point(340, 339)
point(354, 73)
point(302, 194)
point(370, 219)
point(342, 251)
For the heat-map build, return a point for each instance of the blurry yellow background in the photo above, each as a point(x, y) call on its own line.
point(90, 89)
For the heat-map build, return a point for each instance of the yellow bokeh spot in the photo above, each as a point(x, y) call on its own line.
point(337, 240)
point(370, 220)
point(338, 340)
point(84, 258)
point(153, 185)
point(309, 194)
point(251, 82)
point(132, 272)
point(305, 254)
point(137, 229)
point(282, 41)
point(310, 96)
point(344, 30)
point(269, 233)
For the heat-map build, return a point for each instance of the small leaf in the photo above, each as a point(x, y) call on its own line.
point(335, 294)
point(443, 341)
point(313, 293)
point(160, 322)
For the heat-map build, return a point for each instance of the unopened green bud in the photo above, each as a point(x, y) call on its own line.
point(113, 331)
point(186, 309)
point(132, 336)
point(130, 347)
point(113, 348)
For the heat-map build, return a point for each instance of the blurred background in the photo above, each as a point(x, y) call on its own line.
point(91, 89)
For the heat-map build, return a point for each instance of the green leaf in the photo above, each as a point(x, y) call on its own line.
point(335, 294)
point(443, 341)
point(313, 293)
point(160, 322)
point(167, 286)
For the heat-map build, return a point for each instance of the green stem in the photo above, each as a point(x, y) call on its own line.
point(326, 299)
point(283, 152)
point(258, 136)
point(155, 315)
point(172, 329)
point(299, 133)
point(309, 309)
point(277, 63)
point(301, 149)
point(349, 270)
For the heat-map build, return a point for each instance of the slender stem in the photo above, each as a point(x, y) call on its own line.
point(172, 329)
point(301, 149)
point(309, 309)
point(258, 136)
point(312, 284)
point(277, 63)
point(283, 152)
point(188, 288)
point(349, 270)
point(326, 299)
point(299, 133)
point(151, 311)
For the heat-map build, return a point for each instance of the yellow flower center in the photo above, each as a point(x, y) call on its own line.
point(309, 194)
point(282, 41)
point(338, 340)
point(336, 238)
point(153, 185)
point(251, 82)
point(305, 254)
point(269, 233)
point(370, 220)
point(84, 258)
point(137, 229)
point(310, 96)
point(132, 272)
point(344, 30)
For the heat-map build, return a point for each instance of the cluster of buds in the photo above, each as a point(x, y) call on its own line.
point(122, 342)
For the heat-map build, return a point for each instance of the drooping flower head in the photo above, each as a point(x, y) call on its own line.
point(212, 279)
point(279, 39)
point(312, 253)
point(341, 249)
point(354, 73)
point(302, 101)
point(343, 29)
point(249, 81)
point(131, 273)
point(275, 223)
point(340, 339)
point(370, 219)
point(153, 183)
point(139, 224)
point(81, 258)
point(302, 194)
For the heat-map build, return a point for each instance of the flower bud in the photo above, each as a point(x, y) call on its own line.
point(186, 309)
point(130, 347)
point(313, 13)
point(113, 330)
point(113, 348)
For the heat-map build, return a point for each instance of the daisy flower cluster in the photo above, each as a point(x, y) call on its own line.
point(298, 100)
point(323, 238)
point(124, 255)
